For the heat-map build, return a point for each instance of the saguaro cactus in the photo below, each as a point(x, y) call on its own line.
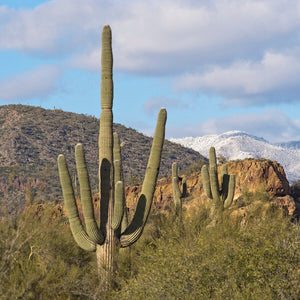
point(219, 198)
point(177, 194)
point(105, 235)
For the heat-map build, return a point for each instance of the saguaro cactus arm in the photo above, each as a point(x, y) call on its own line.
point(86, 197)
point(120, 219)
point(213, 175)
point(119, 206)
point(184, 188)
point(79, 234)
point(223, 197)
point(135, 228)
point(177, 194)
point(206, 182)
point(231, 188)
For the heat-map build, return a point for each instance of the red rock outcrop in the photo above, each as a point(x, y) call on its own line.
point(251, 175)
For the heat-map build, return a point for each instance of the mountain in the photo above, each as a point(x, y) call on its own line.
point(239, 145)
point(32, 138)
point(290, 145)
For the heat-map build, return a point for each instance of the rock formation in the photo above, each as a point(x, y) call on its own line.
point(252, 176)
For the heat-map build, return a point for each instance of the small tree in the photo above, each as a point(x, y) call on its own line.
point(222, 159)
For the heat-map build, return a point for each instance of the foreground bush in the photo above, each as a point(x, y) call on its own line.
point(39, 260)
point(175, 259)
point(260, 260)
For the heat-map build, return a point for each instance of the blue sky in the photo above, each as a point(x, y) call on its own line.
point(216, 65)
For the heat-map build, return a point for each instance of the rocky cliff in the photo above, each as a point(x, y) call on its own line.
point(254, 178)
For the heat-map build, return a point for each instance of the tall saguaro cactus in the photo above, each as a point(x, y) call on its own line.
point(105, 235)
point(219, 198)
point(177, 194)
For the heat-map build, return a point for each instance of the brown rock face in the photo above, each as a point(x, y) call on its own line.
point(251, 175)
point(286, 203)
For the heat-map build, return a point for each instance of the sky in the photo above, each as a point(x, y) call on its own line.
point(216, 65)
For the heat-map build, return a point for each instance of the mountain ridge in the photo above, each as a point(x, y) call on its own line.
point(33, 137)
point(236, 144)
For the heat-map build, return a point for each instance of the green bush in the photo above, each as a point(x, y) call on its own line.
point(39, 260)
point(260, 260)
point(174, 259)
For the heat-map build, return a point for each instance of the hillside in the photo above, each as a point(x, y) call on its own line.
point(33, 137)
point(239, 145)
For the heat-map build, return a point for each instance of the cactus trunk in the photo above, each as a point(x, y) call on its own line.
point(177, 194)
point(105, 252)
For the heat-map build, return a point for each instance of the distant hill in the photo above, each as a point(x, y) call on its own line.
point(31, 138)
point(239, 145)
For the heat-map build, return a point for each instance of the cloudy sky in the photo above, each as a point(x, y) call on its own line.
point(216, 65)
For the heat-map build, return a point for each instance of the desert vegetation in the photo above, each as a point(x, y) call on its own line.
point(258, 258)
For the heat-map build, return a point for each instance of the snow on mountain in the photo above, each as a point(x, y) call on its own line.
point(290, 145)
point(239, 145)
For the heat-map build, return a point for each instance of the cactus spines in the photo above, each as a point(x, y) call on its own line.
point(220, 198)
point(177, 194)
point(111, 230)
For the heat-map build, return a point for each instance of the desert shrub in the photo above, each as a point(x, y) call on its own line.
point(247, 197)
point(174, 259)
point(194, 167)
point(40, 260)
point(260, 260)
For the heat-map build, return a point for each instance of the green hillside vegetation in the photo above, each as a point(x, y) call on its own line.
point(33, 137)
point(173, 260)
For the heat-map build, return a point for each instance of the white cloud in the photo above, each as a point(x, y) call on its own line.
point(241, 50)
point(53, 28)
point(35, 83)
point(272, 125)
point(172, 36)
point(90, 60)
point(154, 36)
point(246, 81)
point(153, 105)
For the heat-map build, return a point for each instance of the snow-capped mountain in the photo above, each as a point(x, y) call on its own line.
point(290, 145)
point(240, 145)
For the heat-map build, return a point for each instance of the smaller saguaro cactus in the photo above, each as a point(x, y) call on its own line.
point(219, 198)
point(177, 194)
